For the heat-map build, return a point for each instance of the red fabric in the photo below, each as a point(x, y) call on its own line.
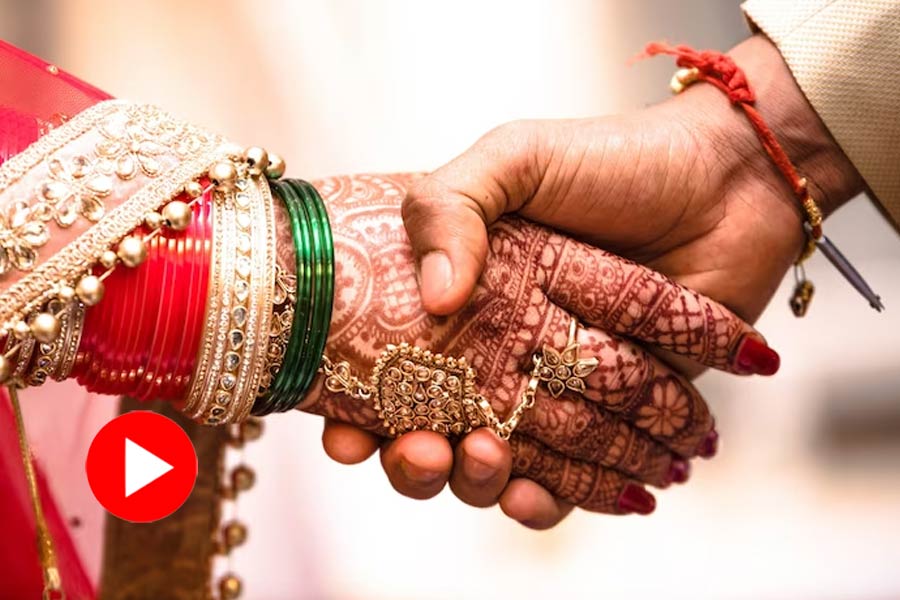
point(33, 99)
point(21, 565)
point(29, 88)
point(721, 71)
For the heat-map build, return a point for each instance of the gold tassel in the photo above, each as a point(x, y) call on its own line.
point(46, 551)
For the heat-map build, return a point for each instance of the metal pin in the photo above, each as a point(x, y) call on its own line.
point(846, 269)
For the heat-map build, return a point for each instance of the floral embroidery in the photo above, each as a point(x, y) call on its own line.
point(127, 149)
point(564, 369)
point(73, 188)
point(669, 411)
point(133, 142)
point(20, 235)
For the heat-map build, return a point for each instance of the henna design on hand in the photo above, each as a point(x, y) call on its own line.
point(508, 318)
point(587, 485)
point(616, 295)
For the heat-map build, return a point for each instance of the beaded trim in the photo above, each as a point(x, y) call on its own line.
point(89, 154)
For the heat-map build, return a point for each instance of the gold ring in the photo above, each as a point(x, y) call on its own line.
point(562, 370)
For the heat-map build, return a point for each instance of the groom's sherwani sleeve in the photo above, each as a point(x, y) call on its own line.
point(844, 55)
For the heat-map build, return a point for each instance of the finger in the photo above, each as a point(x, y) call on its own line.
point(481, 468)
point(347, 444)
point(616, 295)
point(590, 486)
point(631, 412)
point(446, 212)
point(533, 506)
point(418, 463)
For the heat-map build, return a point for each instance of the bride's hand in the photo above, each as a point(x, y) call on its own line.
point(637, 422)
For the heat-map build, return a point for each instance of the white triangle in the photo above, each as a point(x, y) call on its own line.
point(142, 467)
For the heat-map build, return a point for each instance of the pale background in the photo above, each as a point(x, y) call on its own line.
point(803, 500)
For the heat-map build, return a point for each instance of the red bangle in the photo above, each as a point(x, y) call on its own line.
point(143, 341)
point(196, 280)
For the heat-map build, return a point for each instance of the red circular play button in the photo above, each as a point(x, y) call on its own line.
point(141, 466)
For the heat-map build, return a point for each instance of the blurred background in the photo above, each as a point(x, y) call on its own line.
point(803, 500)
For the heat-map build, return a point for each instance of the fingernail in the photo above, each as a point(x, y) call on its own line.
point(635, 499)
point(679, 470)
point(418, 475)
point(710, 445)
point(754, 356)
point(478, 471)
point(436, 274)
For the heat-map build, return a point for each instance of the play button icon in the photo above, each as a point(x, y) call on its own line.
point(141, 466)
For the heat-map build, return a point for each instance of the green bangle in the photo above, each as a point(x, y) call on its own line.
point(300, 233)
point(314, 345)
point(314, 252)
point(300, 361)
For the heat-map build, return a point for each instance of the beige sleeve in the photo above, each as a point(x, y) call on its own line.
point(845, 56)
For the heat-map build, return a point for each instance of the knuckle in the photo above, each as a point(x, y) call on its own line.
point(424, 201)
point(511, 132)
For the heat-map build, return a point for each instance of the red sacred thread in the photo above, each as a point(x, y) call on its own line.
point(721, 71)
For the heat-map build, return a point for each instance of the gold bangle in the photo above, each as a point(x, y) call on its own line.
point(72, 340)
point(23, 355)
point(231, 367)
point(284, 303)
point(203, 396)
point(258, 200)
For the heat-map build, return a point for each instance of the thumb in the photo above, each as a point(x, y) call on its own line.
point(447, 213)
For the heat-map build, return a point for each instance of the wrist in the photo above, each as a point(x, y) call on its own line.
point(833, 180)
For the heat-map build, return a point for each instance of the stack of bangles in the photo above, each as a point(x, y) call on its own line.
point(314, 253)
point(193, 306)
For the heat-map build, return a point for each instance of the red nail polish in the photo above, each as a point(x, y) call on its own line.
point(755, 357)
point(635, 499)
point(679, 470)
point(710, 445)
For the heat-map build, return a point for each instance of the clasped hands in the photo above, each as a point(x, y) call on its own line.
point(681, 189)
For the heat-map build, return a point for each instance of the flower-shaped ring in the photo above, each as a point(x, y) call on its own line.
point(565, 370)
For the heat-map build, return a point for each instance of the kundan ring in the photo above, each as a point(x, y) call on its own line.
point(562, 370)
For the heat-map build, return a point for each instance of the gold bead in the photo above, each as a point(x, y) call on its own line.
point(242, 478)
point(5, 368)
point(193, 189)
point(276, 167)
point(90, 289)
point(234, 534)
point(153, 220)
point(683, 78)
point(21, 330)
point(66, 293)
point(45, 327)
point(223, 174)
point(251, 430)
point(230, 587)
point(108, 259)
point(257, 160)
point(177, 215)
point(132, 250)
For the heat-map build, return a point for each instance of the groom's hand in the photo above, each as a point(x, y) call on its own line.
point(683, 187)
